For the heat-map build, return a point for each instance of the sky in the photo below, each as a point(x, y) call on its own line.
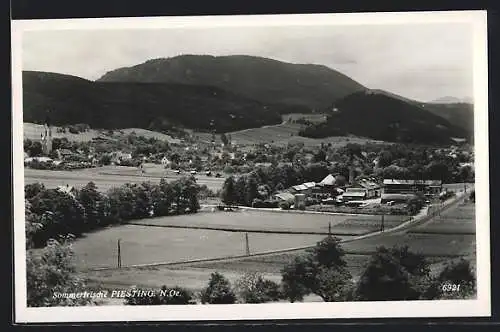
point(422, 62)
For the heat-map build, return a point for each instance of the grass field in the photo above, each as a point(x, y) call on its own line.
point(148, 245)
point(456, 221)
point(110, 176)
point(311, 117)
point(277, 222)
point(282, 135)
point(33, 131)
point(439, 248)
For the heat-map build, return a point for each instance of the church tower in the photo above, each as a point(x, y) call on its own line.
point(47, 137)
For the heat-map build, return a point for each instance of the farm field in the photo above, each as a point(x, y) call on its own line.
point(312, 117)
point(282, 135)
point(439, 248)
point(32, 131)
point(109, 176)
point(149, 245)
point(248, 220)
point(460, 220)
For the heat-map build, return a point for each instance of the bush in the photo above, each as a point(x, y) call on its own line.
point(284, 205)
point(59, 213)
point(393, 274)
point(454, 273)
point(322, 271)
point(253, 288)
point(52, 271)
point(218, 291)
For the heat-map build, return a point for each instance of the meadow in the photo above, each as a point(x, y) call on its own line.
point(111, 176)
point(32, 131)
point(263, 221)
point(151, 245)
point(439, 249)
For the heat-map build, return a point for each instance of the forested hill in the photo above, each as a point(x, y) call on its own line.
point(382, 117)
point(266, 80)
point(458, 113)
point(145, 105)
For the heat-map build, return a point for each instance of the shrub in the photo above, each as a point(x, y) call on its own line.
point(253, 288)
point(218, 291)
point(284, 205)
point(50, 272)
point(321, 271)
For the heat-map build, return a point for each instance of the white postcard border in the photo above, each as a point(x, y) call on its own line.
point(387, 309)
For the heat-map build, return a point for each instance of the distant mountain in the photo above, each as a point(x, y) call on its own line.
point(459, 114)
point(262, 79)
point(378, 115)
point(144, 105)
point(451, 100)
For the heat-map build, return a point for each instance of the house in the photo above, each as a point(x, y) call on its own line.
point(354, 194)
point(165, 161)
point(119, 156)
point(412, 187)
point(305, 188)
point(372, 188)
point(396, 198)
point(284, 197)
point(64, 153)
point(329, 180)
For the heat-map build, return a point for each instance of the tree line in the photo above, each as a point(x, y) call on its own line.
point(51, 213)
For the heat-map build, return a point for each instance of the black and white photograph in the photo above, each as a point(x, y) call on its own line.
point(251, 167)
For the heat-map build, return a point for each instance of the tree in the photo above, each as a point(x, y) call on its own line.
point(33, 189)
point(218, 291)
point(51, 272)
point(59, 213)
point(253, 288)
point(32, 225)
point(393, 274)
point(251, 189)
point(122, 203)
point(228, 194)
point(162, 197)
point(240, 189)
point(96, 205)
point(323, 271)
point(415, 204)
point(36, 149)
point(320, 156)
point(224, 139)
point(454, 273)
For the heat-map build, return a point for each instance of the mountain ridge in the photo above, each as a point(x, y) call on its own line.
point(267, 80)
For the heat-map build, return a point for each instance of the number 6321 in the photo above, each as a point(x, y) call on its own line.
point(450, 287)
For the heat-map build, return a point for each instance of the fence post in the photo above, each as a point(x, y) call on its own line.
point(119, 255)
point(247, 245)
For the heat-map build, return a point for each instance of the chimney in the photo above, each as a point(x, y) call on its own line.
point(351, 175)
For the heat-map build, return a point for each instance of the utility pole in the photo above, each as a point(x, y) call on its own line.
point(329, 229)
point(119, 255)
point(382, 223)
point(247, 245)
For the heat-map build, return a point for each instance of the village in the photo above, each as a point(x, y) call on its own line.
point(352, 178)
